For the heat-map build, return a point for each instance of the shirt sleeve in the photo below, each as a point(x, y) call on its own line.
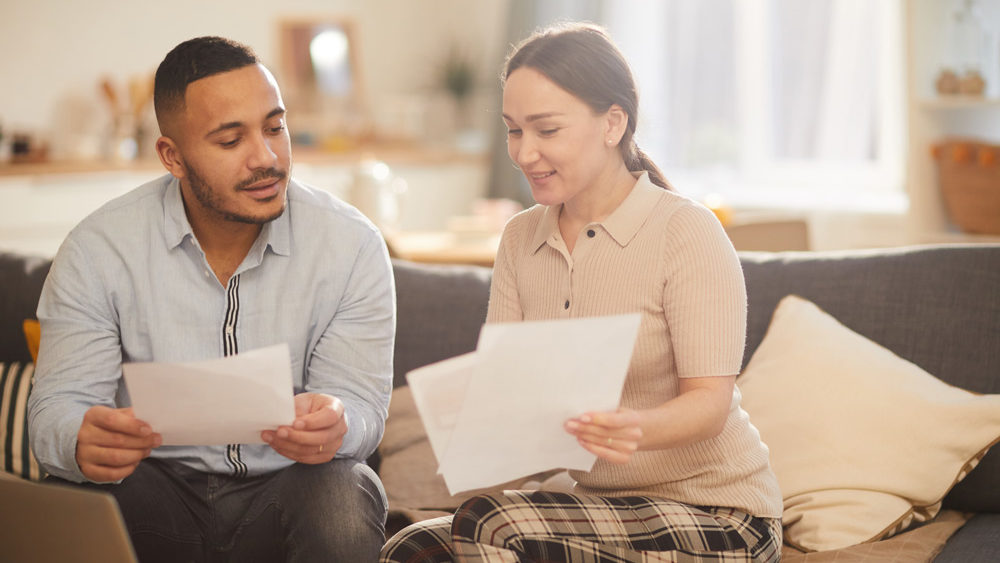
point(79, 360)
point(704, 298)
point(353, 358)
point(505, 304)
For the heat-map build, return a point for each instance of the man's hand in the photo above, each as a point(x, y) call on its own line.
point(317, 432)
point(112, 442)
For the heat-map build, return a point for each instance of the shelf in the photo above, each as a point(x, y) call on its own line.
point(958, 237)
point(958, 101)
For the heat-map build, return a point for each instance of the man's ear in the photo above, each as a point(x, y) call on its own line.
point(617, 123)
point(170, 156)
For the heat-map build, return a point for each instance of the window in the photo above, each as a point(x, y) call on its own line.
point(770, 102)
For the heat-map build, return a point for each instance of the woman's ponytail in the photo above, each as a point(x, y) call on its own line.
point(638, 161)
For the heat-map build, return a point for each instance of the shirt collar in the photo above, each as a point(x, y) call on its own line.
point(275, 235)
point(623, 223)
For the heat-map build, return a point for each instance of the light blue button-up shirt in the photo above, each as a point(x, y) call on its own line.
point(131, 283)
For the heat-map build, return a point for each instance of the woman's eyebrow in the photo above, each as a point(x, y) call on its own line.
point(535, 116)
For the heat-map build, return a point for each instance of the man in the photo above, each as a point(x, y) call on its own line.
point(225, 254)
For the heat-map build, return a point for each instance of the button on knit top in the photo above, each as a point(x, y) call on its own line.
point(667, 257)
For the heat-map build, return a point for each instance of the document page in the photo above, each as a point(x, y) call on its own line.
point(497, 414)
point(440, 392)
point(214, 402)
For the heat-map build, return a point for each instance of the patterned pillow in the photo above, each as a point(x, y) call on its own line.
point(15, 455)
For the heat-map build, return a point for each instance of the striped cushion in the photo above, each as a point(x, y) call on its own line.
point(15, 456)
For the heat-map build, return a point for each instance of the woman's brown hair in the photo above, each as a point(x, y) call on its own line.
point(581, 59)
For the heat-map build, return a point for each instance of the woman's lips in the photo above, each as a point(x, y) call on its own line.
point(539, 176)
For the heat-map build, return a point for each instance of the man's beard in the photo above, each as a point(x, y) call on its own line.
point(211, 201)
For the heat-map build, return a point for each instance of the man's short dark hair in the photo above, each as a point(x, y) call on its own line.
point(192, 60)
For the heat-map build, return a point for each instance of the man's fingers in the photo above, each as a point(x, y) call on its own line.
point(116, 421)
point(112, 442)
point(101, 464)
point(316, 411)
point(113, 457)
point(94, 435)
point(310, 439)
point(307, 453)
point(105, 474)
point(317, 432)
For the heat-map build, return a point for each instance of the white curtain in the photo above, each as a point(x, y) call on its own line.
point(743, 90)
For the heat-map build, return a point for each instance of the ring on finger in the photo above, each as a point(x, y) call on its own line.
point(320, 449)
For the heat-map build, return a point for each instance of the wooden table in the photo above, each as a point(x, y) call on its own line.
point(444, 247)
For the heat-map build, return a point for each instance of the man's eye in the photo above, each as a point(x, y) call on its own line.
point(549, 132)
point(278, 129)
point(229, 144)
point(513, 132)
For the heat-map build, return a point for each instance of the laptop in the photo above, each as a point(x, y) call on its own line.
point(44, 522)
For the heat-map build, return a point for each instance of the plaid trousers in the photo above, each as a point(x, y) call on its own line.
point(544, 526)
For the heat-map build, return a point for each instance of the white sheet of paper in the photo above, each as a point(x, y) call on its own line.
point(523, 382)
point(214, 402)
point(439, 391)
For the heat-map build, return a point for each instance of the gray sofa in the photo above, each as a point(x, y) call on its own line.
point(937, 306)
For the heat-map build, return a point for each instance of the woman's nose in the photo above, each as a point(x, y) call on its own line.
point(524, 152)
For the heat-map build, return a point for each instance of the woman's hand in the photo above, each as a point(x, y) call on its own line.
point(612, 435)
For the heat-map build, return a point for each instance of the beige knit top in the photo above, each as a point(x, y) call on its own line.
point(668, 258)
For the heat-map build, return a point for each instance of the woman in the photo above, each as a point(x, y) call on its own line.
point(680, 472)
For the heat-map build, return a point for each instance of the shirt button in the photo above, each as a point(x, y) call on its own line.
point(591, 233)
point(566, 304)
point(207, 274)
point(229, 330)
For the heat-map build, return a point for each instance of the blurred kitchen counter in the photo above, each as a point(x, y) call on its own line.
point(391, 152)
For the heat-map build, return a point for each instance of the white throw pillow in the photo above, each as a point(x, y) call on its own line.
point(863, 442)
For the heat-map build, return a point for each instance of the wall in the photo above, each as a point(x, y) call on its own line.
point(54, 51)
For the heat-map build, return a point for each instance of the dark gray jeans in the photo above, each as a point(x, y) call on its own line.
point(330, 512)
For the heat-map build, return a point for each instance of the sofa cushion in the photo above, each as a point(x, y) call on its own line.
point(15, 455)
point(439, 310)
point(918, 544)
point(937, 306)
point(409, 468)
point(977, 540)
point(863, 443)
